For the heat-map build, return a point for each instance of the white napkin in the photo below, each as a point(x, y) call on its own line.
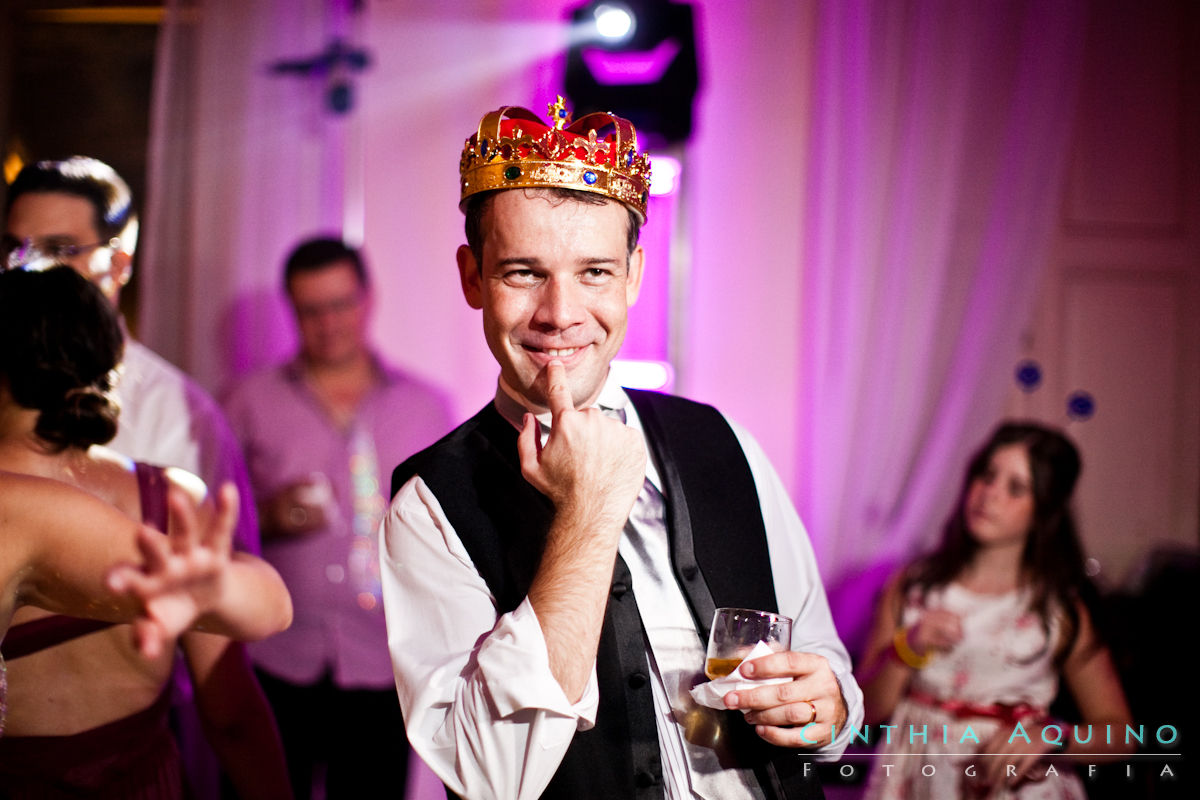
point(711, 694)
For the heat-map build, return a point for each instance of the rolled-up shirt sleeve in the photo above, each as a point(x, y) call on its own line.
point(799, 590)
point(480, 703)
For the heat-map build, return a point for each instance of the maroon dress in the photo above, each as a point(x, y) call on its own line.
point(133, 758)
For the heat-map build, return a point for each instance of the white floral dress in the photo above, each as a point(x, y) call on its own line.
point(1005, 659)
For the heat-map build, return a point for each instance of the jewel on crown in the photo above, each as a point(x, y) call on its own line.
point(513, 149)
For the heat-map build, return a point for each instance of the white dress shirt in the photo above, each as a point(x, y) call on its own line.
point(168, 420)
point(481, 705)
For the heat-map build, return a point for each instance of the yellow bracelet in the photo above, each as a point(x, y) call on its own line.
point(906, 654)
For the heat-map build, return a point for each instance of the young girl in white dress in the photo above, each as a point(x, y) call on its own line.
point(969, 642)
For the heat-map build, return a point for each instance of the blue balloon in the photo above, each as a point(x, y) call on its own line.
point(339, 97)
point(1029, 375)
point(1080, 406)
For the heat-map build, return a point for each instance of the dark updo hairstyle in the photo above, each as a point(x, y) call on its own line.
point(1052, 562)
point(62, 344)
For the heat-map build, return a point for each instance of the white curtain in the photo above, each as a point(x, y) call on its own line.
point(240, 166)
point(245, 162)
point(937, 150)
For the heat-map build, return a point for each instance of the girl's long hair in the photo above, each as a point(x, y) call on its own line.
point(1052, 562)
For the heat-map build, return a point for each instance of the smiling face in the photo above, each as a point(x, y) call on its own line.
point(556, 283)
point(999, 505)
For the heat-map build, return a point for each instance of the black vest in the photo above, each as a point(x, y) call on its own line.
point(719, 557)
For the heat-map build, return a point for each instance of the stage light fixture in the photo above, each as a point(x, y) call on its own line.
point(614, 22)
point(635, 58)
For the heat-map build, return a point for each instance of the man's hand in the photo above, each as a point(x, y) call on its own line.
point(937, 630)
point(591, 466)
point(800, 713)
point(297, 509)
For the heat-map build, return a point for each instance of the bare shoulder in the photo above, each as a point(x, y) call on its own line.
point(35, 510)
point(114, 479)
point(109, 476)
point(108, 459)
point(20, 492)
point(20, 496)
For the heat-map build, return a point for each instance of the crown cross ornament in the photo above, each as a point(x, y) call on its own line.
point(513, 149)
point(558, 112)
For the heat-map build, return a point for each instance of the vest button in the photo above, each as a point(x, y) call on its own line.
point(637, 680)
point(690, 572)
point(645, 779)
point(619, 588)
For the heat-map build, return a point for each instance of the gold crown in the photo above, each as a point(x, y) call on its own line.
point(513, 149)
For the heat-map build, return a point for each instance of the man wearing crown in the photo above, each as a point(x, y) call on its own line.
point(551, 567)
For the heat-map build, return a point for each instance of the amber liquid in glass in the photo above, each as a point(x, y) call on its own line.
point(720, 667)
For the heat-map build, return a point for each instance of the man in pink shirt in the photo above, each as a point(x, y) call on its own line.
point(319, 434)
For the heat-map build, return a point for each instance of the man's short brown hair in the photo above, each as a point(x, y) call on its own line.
point(476, 206)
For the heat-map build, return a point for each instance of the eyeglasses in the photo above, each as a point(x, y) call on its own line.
point(337, 305)
point(27, 254)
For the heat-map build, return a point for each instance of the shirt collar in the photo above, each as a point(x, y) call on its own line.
point(384, 374)
point(612, 396)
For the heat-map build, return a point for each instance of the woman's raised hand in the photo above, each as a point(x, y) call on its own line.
point(184, 574)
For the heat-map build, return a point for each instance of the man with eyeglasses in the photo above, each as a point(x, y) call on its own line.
point(79, 212)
